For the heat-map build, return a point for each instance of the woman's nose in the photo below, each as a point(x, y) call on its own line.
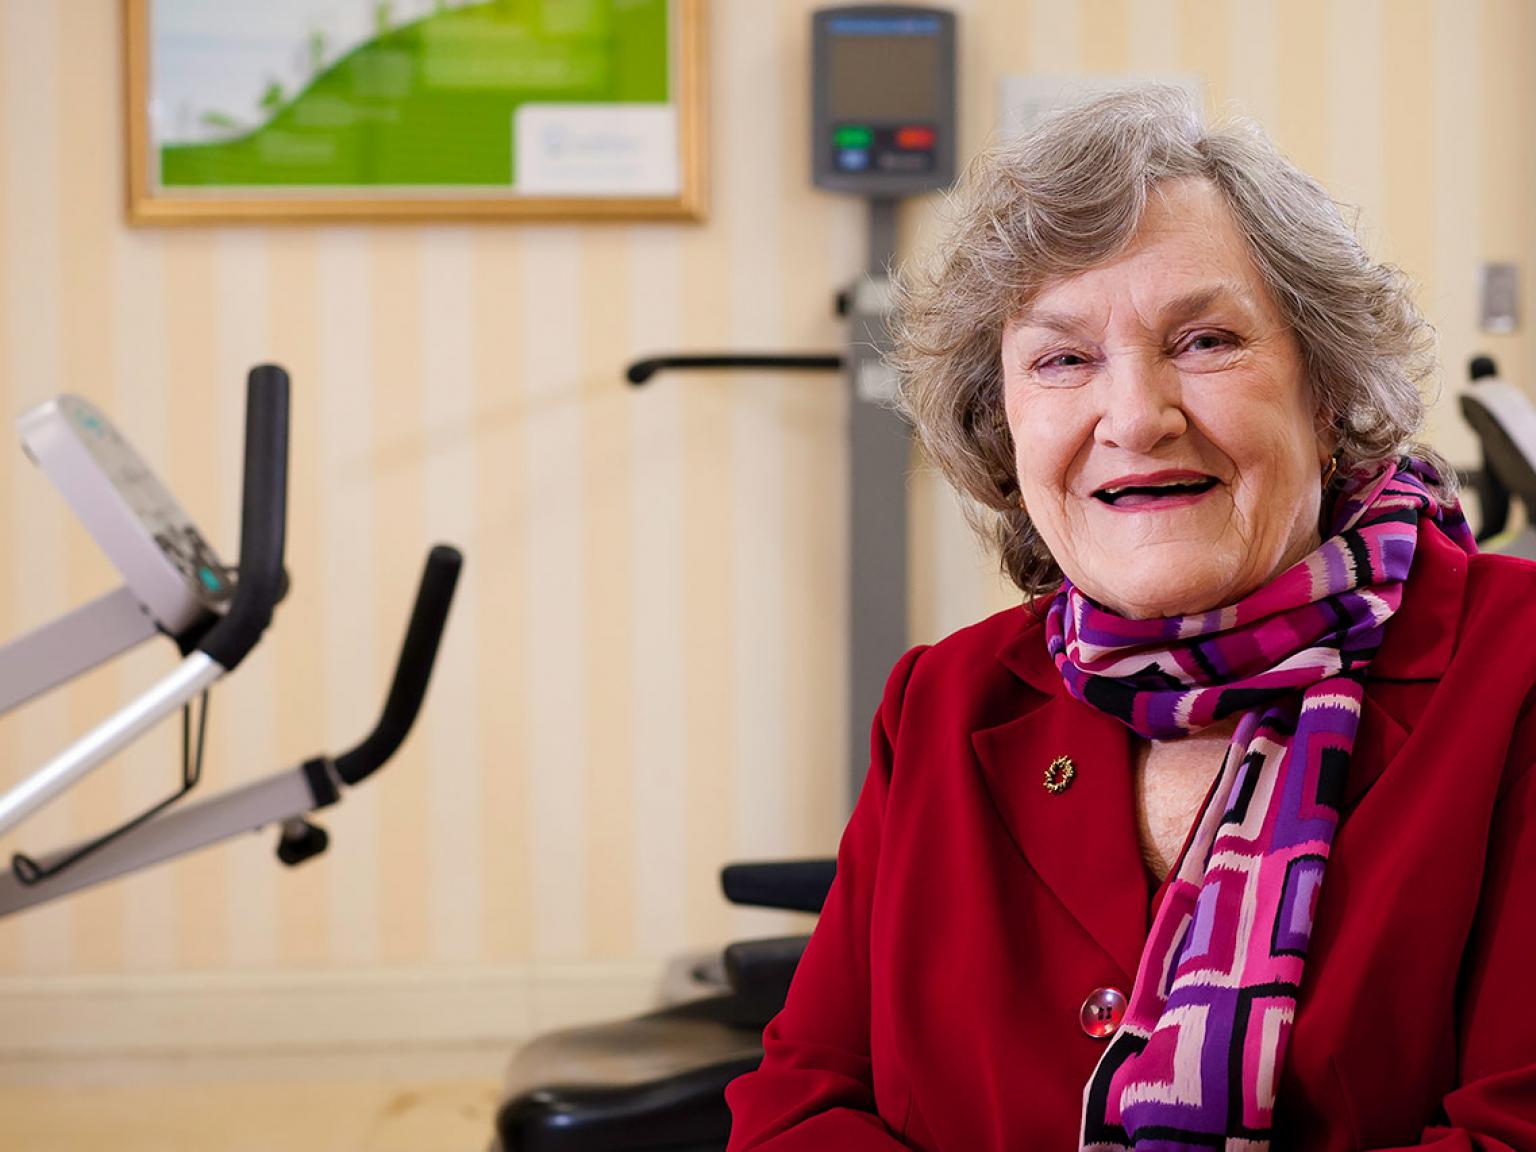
point(1142, 405)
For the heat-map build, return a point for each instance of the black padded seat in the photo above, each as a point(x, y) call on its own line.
point(655, 1083)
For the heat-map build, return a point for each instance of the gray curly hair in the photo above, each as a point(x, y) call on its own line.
point(1069, 196)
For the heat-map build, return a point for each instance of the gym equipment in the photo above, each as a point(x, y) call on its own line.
point(883, 127)
point(1505, 422)
point(175, 585)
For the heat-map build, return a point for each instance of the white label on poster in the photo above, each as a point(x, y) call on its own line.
point(596, 149)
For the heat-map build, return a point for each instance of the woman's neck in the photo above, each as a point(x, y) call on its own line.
point(1173, 778)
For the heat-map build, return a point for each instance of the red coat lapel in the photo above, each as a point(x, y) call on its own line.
point(1082, 841)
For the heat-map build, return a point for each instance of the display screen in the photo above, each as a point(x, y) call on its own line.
point(157, 512)
point(883, 68)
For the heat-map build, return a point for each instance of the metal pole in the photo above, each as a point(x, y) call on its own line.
point(107, 739)
point(879, 455)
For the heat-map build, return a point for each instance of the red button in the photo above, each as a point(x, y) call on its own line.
point(914, 139)
point(1102, 1012)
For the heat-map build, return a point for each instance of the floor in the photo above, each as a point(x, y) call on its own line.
point(422, 1101)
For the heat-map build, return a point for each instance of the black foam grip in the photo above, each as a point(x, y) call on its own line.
point(642, 370)
point(413, 669)
point(263, 519)
point(794, 885)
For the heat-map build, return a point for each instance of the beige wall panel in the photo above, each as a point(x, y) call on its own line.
point(1460, 172)
point(1300, 123)
point(1408, 211)
point(449, 733)
point(1353, 45)
point(1404, 225)
point(1253, 52)
point(1106, 46)
point(495, 551)
point(609, 548)
point(1053, 35)
point(557, 464)
point(397, 382)
point(87, 198)
point(657, 659)
point(1408, 217)
point(34, 352)
point(816, 616)
point(1207, 48)
point(1153, 28)
point(979, 39)
point(349, 525)
point(709, 502)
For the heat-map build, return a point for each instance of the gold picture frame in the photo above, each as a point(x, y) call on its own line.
point(219, 199)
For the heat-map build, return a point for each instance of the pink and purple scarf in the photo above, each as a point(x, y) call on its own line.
point(1196, 1062)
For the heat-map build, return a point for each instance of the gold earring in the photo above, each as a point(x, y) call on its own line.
point(1332, 470)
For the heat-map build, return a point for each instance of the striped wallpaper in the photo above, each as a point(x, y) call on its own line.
point(644, 673)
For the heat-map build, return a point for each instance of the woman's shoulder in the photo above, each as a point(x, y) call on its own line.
point(990, 633)
point(1457, 606)
point(969, 670)
point(1498, 611)
point(989, 641)
point(1501, 589)
point(1502, 574)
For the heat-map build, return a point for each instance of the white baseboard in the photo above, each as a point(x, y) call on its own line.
point(234, 1013)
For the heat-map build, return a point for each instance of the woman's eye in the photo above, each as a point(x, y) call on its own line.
point(1208, 342)
point(1063, 360)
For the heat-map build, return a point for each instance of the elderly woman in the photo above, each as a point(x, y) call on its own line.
point(1227, 838)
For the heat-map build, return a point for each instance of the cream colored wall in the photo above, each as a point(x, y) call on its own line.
point(643, 676)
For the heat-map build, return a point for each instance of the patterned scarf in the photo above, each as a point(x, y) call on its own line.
point(1196, 1062)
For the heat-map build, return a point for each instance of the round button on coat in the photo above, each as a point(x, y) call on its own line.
point(1102, 1012)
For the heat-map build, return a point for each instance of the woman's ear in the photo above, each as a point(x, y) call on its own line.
point(1327, 432)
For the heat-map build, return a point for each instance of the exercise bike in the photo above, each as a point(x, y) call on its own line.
point(1505, 422)
point(176, 586)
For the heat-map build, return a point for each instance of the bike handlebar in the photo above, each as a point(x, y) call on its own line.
point(642, 370)
point(412, 670)
point(263, 520)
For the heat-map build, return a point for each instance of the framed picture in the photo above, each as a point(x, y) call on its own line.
point(326, 110)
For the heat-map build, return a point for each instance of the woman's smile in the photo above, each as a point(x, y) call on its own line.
point(1157, 492)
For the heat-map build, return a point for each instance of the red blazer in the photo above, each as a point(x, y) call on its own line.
point(937, 1006)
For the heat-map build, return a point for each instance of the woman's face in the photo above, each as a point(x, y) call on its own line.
point(1165, 434)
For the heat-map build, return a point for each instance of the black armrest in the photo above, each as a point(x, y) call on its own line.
point(795, 885)
point(760, 970)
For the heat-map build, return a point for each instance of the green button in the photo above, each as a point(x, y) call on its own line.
point(853, 136)
point(210, 581)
